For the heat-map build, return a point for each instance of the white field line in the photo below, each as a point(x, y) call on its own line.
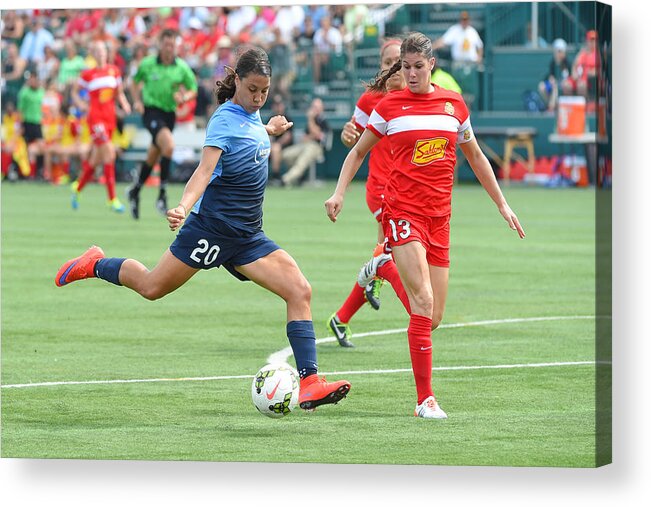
point(283, 355)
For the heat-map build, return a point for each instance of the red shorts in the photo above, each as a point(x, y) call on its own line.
point(401, 227)
point(101, 133)
point(374, 203)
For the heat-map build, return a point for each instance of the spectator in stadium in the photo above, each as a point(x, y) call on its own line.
point(379, 167)
point(113, 22)
point(13, 156)
point(48, 67)
point(327, 41)
point(13, 70)
point(81, 25)
point(225, 57)
point(310, 149)
point(316, 13)
point(279, 143)
point(134, 28)
point(583, 80)
point(157, 93)
point(32, 49)
point(104, 86)
point(417, 198)
point(239, 22)
point(280, 54)
point(140, 51)
point(465, 43)
point(193, 39)
point(224, 228)
point(355, 20)
point(188, 13)
point(29, 106)
point(70, 66)
point(290, 18)
point(557, 77)
point(13, 27)
point(467, 51)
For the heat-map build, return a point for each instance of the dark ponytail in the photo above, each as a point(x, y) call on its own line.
point(253, 60)
point(379, 82)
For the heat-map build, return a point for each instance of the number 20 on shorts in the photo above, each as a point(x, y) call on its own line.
point(209, 253)
point(405, 229)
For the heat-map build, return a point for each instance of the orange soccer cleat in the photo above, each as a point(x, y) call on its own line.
point(315, 391)
point(80, 267)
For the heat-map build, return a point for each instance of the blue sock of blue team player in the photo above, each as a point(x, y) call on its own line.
point(303, 342)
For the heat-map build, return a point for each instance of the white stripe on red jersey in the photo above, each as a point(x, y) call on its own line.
point(360, 117)
point(380, 159)
point(101, 82)
point(423, 131)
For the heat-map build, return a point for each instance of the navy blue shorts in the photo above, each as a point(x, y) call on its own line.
point(204, 243)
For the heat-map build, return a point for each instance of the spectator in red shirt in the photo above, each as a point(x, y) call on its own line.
point(82, 25)
point(584, 68)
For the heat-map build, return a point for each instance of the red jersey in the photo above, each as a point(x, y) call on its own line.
point(423, 132)
point(380, 159)
point(102, 84)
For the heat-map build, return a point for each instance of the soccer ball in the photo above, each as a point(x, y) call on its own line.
point(275, 390)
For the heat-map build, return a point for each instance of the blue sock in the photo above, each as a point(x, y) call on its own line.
point(303, 342)
point(109, 269)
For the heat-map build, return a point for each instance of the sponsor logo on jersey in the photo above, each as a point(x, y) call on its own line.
point(106, 95)
point(449, 108)
point(427, 151)
point(261, 153)
point(466, 135)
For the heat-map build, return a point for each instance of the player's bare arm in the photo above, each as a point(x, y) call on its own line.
point(195, 186)
point(349, 169)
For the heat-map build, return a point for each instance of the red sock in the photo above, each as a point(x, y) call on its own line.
point(109, 176)
point(419, 334)
point(87, 171)
point(389, 271)
point(354, 302)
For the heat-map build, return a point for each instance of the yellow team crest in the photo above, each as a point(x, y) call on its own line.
point(449, 108)
point(427, 151)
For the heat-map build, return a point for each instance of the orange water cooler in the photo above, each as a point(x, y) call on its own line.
point(571, 115)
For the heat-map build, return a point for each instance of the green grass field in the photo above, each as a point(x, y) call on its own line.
point(525, 413)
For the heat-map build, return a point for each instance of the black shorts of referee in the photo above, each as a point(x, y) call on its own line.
point(155, 119)
point(32, 132)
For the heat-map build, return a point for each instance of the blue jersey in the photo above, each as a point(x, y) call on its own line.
point(235, 193)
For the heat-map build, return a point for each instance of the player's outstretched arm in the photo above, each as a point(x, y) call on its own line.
point(349, 169)
point(484, 172)
point(195, 186)
point(278, 125)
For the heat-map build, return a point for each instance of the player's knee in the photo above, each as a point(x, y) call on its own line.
point(304, 290)
point(437, 317)
point(423, 302)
